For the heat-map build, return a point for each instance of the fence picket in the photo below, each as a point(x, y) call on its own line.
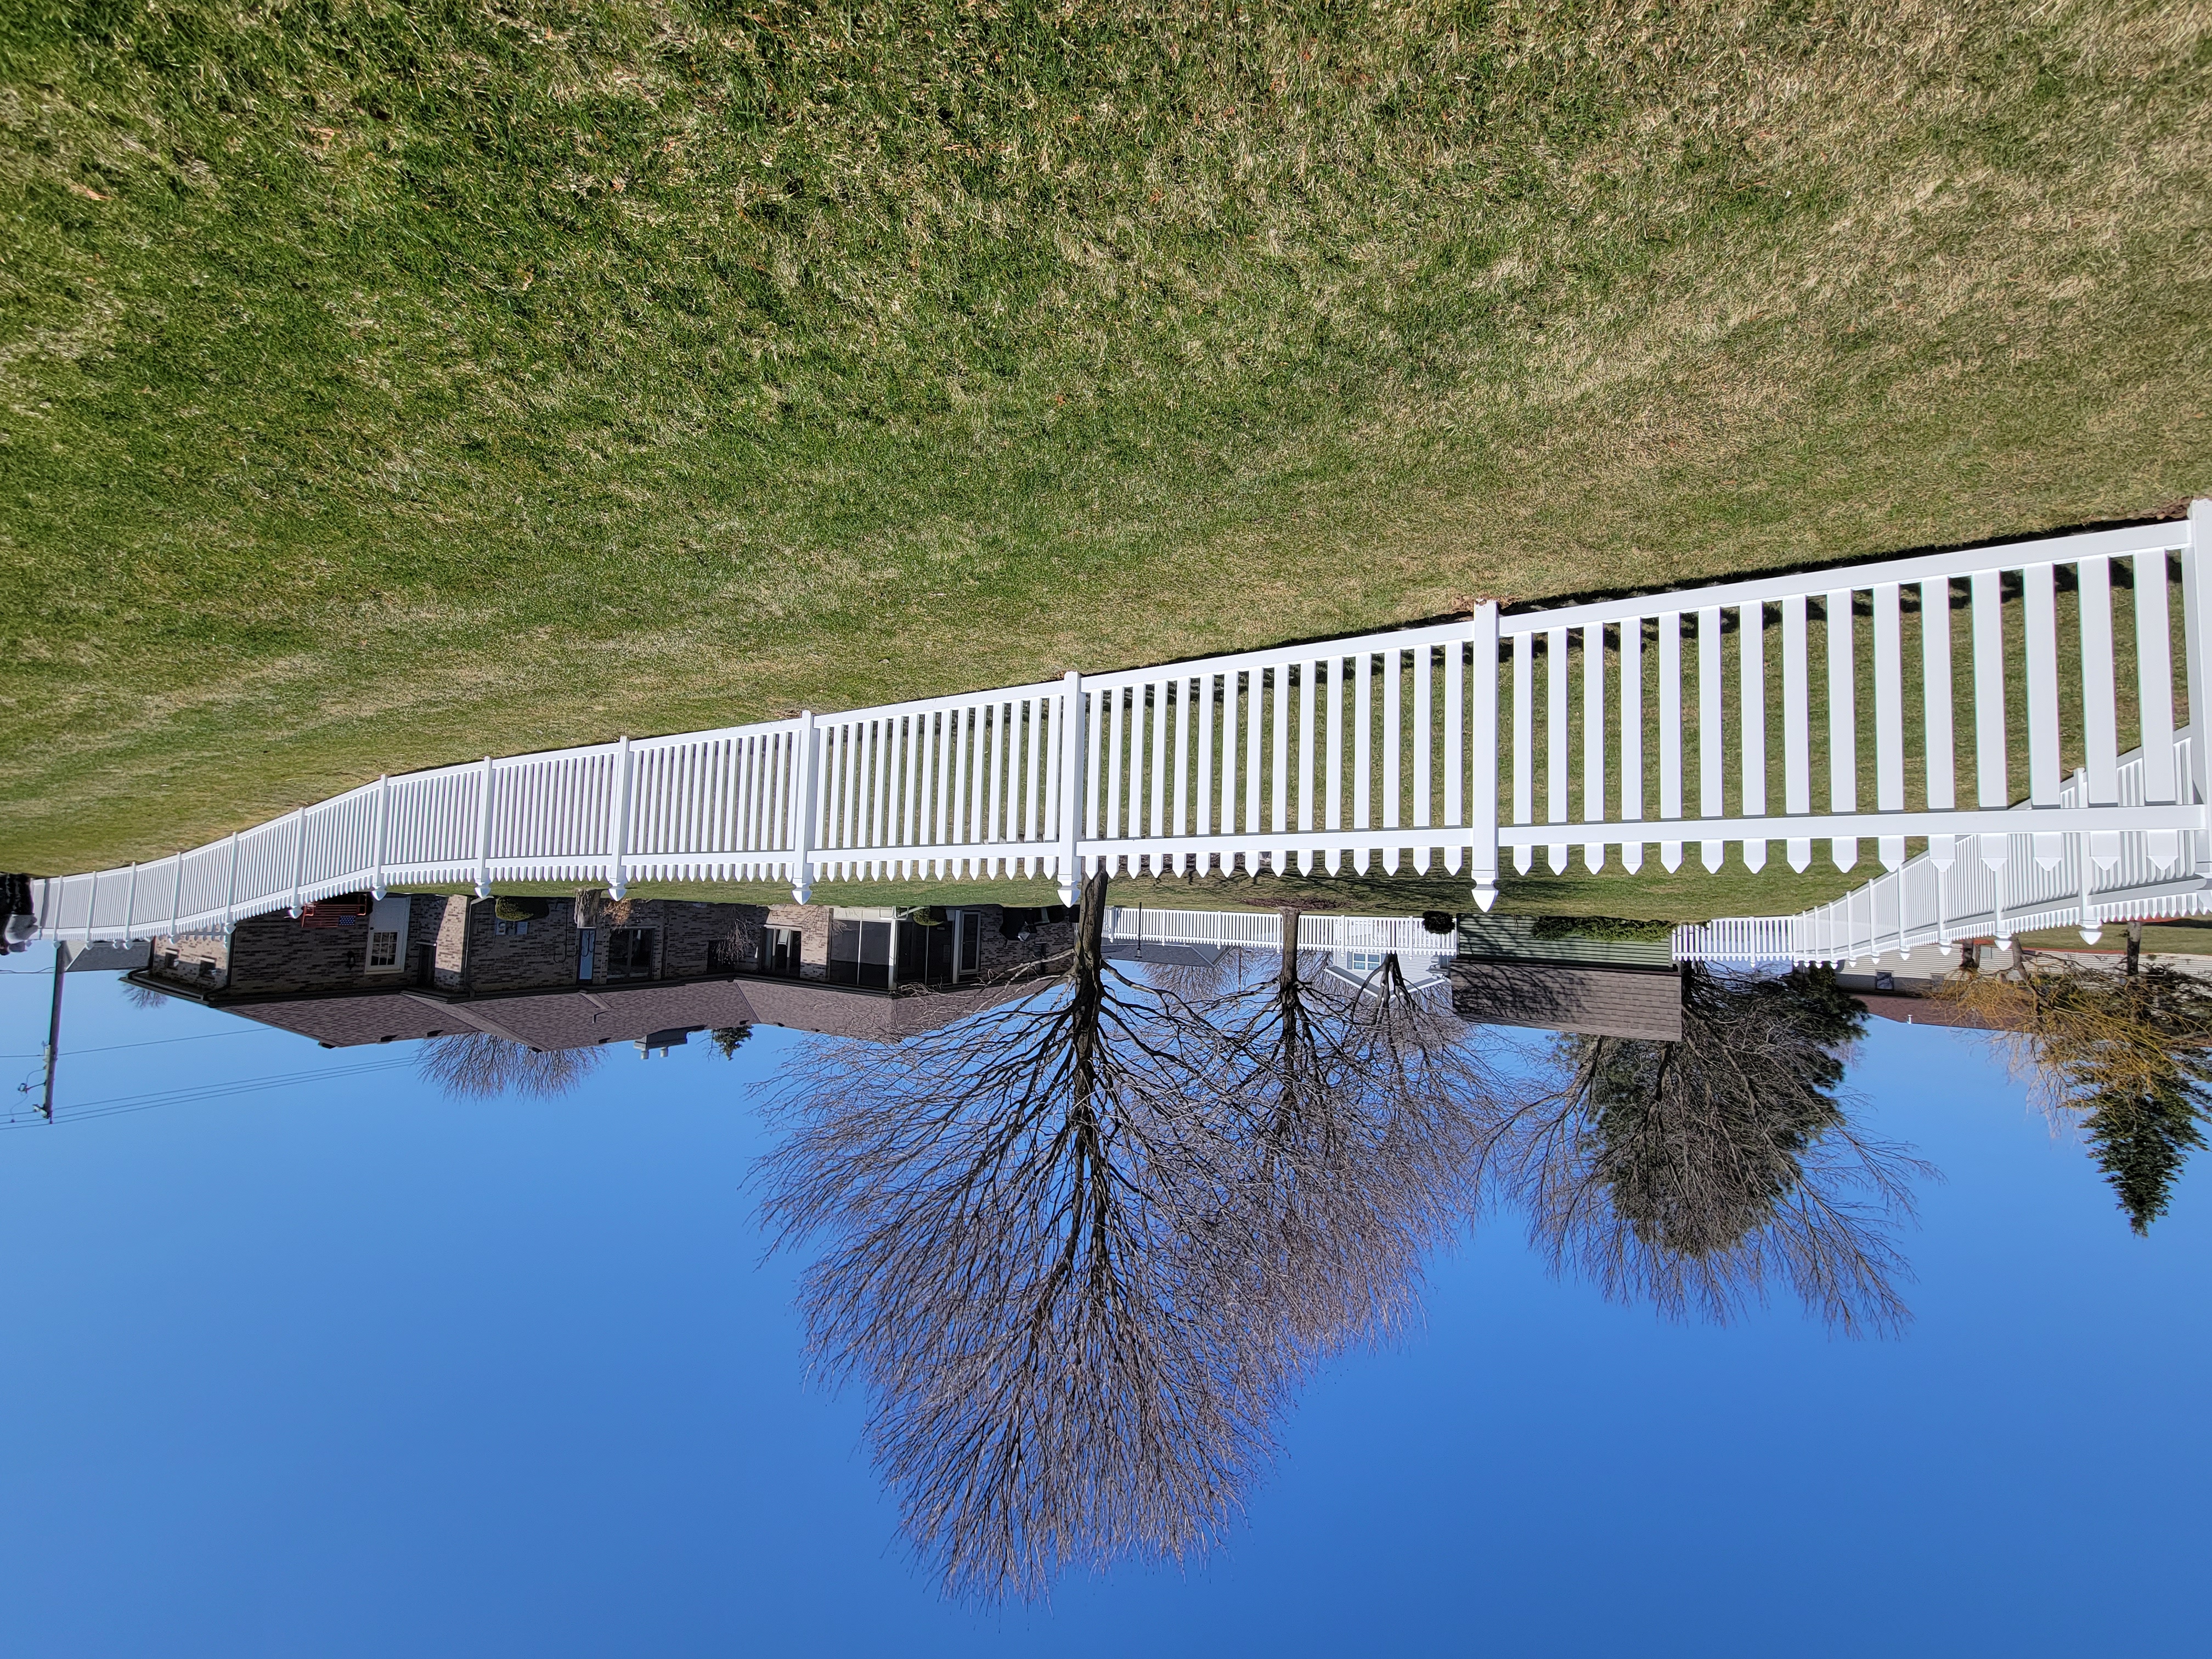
point(1631, 737)
point(1712, 758)
point(1797, 728)
point(1523, 740)
point(2040, 617)
point(1394, 736)
point(1842, 722)
point(1555, 763)
point(1670, 731)
point(1751, 673)
point(1936, 710)
point(1308, 677)
point(1455, 723)
point(1888, 716)
point(1593, 741)
point(2099, 715)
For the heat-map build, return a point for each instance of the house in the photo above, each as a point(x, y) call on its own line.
point(1505, 972)
point(566, 973)
point(655, 1016)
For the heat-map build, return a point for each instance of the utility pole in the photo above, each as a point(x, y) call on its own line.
point(54, 1028)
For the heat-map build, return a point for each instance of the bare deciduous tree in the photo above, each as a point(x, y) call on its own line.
point(1199, 981)
point(1693, 1174)
point(1019, 1215)
point(1357, 1109)
point(477, 1066)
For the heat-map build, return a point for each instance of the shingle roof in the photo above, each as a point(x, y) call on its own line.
point(1909, 1008)
point(591, 1015)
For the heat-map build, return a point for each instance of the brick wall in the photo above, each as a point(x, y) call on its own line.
point(273, 954)
point(542, 953)
point(690, 931)
point(537, 954)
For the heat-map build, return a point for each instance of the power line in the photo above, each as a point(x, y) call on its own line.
point(152, 1042)
point(118, 1105)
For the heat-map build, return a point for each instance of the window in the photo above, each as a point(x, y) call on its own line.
point(629, 952)
point(859, 951)
point(586, 938)
point(383, 951)
point(779, 953)
point(1363, 961)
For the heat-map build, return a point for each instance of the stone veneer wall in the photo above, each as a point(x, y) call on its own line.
point(200, 961)
point(449, 943)
point(998, 958)
point(813, 921)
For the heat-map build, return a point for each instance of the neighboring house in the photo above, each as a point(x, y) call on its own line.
point(1504, 975)
point(654, 1016)
point(1424, 970)
point(580, 971)
point(463, 946)
point(1495, 969)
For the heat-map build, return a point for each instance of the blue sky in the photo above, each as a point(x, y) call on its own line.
point(346, 1368)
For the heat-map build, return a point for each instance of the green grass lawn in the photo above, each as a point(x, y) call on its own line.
point(1690, 894)
point(2186, 938)
point(386, 385)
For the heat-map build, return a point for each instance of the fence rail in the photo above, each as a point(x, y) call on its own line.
point(1708, 717)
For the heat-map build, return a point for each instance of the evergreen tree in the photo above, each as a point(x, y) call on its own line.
point(2130, 1052)
point(2139, 1140)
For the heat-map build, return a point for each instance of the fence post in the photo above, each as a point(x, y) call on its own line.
point(1071, 786)
point(2196, 598)
point(176, 899)
point(803, 811)
point(92, 907)
point(299, 859)
point(230, 899)
point(383, 824)
point(1482, 745)
point(618, 794)
point(131, 904)
point(483, 831)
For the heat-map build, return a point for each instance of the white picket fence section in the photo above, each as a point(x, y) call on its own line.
point(1988, 887)
point(1216, 930)
point(1413, 749)
point(1262, 930)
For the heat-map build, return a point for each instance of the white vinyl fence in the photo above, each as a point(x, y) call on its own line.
point(1262, 930)
point(2000, 885)
point(1654, 720)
